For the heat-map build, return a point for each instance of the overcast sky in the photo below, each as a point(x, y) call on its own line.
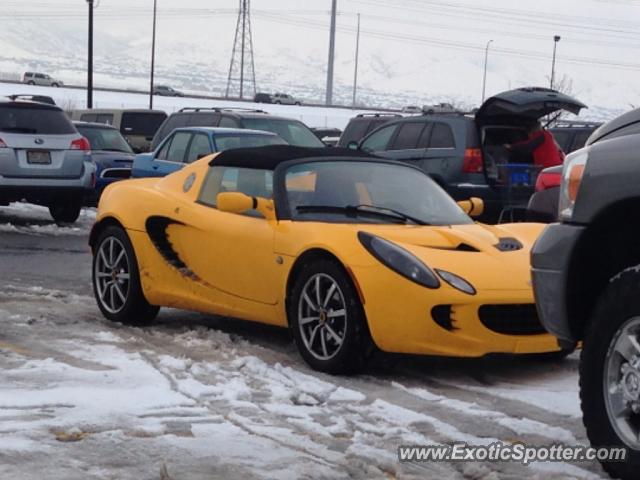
point(406, 44)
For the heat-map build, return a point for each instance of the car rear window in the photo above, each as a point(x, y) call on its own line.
point(33, 120)
point(228, 142)
point(105, 139)
point(141, 123)
point(292, 131)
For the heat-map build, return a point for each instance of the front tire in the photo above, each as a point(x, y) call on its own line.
point(116, 280)
point(327, 319)
point(65, 214)
point(610, 373)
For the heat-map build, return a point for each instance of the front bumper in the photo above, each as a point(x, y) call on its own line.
point(550, 259)
point(401, 320)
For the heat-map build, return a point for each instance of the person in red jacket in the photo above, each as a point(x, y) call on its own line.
point(540, 146)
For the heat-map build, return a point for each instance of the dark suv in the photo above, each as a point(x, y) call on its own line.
point(294, 132)
point(572, 135)
point(363, 124)
point(464, 153)
point(586, 278)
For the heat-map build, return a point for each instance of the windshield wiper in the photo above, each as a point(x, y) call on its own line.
point(358, 209)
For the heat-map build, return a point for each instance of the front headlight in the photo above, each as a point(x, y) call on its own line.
point(399, 260)
point(572, 173)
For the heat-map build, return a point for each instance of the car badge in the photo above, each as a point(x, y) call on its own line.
point(39, 141)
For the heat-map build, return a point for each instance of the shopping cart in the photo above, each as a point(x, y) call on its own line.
point(516, 183)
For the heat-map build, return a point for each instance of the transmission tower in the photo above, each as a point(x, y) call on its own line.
point(242, 68)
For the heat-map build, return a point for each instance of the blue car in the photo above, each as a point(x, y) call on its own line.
point(185, 145)
point(111, 153)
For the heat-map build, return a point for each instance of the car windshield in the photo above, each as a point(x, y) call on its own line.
point(33, 120)
point(227, 142)
point(292, 131)
point(368, 192)
point(107, 139)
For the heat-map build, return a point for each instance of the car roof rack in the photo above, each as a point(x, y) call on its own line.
point(575, 123)
point(378, 114)
point(221, 109)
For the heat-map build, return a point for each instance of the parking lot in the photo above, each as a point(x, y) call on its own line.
point(195, 396)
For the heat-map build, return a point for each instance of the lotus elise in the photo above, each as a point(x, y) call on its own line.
point(349, 251)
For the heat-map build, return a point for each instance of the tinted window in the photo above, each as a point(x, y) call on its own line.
point(108, 139)
point(178, 147)
point(252, 182)
point(30, 119)
point(355, 131)
point(88, 117)
point(408, 136)
point(229, 122)
point(379, 140)
point(227, 142)
point(292, 131)
point(141, 123)
point(105, 118)
point(563, 137)
point(164, 151)
point(200, 147)
point(580, 140)
point(441, 136)
point(174, 121)
point(202, 119)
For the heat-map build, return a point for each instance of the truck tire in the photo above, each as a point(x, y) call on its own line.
point(610, 373)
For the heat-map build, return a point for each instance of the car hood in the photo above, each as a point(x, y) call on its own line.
point(530, 103)
point(489, 257)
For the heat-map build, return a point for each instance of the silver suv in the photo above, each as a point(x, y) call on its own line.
point(43, 159)
point(33, 78)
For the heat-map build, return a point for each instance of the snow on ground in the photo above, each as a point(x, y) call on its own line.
point(26, 218)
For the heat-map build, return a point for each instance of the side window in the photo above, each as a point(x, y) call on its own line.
point(408, 136)
point(200, 147)
point(250, 181)
point(164, 151)
point(178, 147)
point(580, 139)
point(379, 140)
point(39, 75)
point(442, 136)
point(204, 119)
point(88, 117)
point(229, 122)
point(105, 118)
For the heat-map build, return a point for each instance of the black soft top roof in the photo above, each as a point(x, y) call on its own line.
point(269, 157)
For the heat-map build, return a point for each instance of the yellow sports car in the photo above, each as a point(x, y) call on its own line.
point(347, 250)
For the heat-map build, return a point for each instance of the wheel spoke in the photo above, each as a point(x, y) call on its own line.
point(329, 295)
point(313, 335)
point(111, 243)
point(122, 276)
point(337, 313)
point(304, 321)
point(119, 292)
point(619, 408)
point(104, 289)
point(118, 258)
point(103, 275)
point(112, 296)
point(318, 301)
point(104, 258)
point(627, 346)
point(309, 302)
point(333, 334)
point(323, 342)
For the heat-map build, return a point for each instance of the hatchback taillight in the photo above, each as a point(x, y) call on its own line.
point(472, 162)
point(548, 180)
point(80, 144)
point(2, 144)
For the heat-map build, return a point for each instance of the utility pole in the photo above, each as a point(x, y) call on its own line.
point(153, 54)
point(556, 39)
point(355, 74)
point(332, 51)
point(244, 29)
point(484, 78)
point(242, 54)
point(90, 58)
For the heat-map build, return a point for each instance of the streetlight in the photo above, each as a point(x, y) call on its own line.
point(153, 54)
point(556, 39)
point(90, 59)
point(484, 78)
point(355, 73)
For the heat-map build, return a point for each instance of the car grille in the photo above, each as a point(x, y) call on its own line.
point(116, 173)
point(519, 319)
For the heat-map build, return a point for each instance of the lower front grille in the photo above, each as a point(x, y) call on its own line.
point(517, 319)
point(116, 173)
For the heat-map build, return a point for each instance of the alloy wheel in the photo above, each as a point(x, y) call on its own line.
point(112, 275)
point(322, 316)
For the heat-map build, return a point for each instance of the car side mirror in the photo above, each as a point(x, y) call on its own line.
point(238, 202)
point(474, 207)
point(352, 145)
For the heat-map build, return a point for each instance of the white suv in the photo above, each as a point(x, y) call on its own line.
point(43, 159)
point(32, 78)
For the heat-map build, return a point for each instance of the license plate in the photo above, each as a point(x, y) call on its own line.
point(39, 157)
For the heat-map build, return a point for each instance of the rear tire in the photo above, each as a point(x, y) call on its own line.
point(55, 85)
point(65, 214)
point(327, 319)
point(615, 318)
point(116, 280)
point(31, 82)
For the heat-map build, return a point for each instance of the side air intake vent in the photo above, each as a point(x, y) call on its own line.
point(508, 244)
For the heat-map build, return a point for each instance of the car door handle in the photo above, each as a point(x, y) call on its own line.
point(155, 167)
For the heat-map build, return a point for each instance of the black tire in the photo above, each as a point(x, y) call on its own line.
point(135, 310)
point(278, 102)
point(298, 103)
point(31, 82)
point(65, 213)
point(618, 303)
point(356, 346)
point(55, 85)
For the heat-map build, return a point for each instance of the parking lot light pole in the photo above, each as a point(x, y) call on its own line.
point(484, 77)
point(556, 39)
point(153, 53)
point(90, 58)
point(355, 73)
